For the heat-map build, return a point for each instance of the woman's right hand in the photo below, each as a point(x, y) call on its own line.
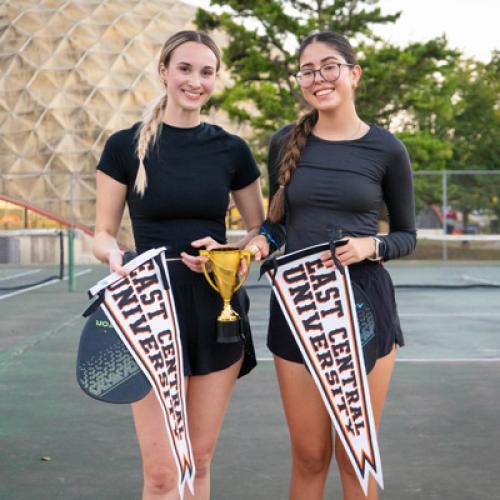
point(115, 261)
point(194, 262)
point(259, 247)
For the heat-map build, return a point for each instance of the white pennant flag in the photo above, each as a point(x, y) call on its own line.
point(319, 306)
point(141, 308)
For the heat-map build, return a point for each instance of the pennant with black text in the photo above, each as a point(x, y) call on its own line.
point(320, 309)
point(141, 308)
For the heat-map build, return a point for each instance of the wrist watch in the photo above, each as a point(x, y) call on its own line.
point(379, 249)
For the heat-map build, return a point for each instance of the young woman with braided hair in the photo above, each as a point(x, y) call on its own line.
point(176, 174)
point(333, 171)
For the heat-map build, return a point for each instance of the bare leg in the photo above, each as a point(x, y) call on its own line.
point(207, 400)
point(160, 473)
point(310, 430)
point(378, 381)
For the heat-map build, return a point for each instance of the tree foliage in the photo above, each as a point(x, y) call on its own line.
point(445, 108)
point(260, 55)
point(475, 131)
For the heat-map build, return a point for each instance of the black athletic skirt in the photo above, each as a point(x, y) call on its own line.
point(376, 282)
point(198, 307)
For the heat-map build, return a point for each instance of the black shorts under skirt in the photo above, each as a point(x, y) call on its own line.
point(198, 307)
point(376, 282)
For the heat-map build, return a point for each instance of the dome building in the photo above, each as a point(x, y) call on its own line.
point(71, 73)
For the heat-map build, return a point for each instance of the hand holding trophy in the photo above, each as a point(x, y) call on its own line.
point(225, 263)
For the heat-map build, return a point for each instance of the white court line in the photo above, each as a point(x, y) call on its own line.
point(18, 275)
point(18, 350)
point(34, 287)
point(431, 360)
point(467, 277)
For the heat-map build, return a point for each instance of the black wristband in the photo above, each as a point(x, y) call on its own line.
point(274, 234)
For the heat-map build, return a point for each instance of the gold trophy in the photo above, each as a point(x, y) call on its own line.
point(225, 263)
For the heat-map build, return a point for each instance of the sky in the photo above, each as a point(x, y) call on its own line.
point(470, 25)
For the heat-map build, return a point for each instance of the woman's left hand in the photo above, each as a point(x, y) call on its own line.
point(194, 261)
point(355, 250)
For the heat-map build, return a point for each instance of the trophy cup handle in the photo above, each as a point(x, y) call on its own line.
point(245, 254)
point(206, 253)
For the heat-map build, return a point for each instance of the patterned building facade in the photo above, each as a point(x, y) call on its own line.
point(71, 73)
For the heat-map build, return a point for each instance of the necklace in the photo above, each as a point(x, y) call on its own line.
point(350, 137)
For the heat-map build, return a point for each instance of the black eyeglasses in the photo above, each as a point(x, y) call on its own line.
point(329, 72)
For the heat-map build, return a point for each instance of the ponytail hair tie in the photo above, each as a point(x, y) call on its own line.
point(282, 186)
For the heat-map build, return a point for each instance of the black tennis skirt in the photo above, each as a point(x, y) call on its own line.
point(375, 281)
point(198, 307)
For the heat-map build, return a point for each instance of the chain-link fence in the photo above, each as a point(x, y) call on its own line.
point(458, 201)
point(458, 214)
point(448, 202)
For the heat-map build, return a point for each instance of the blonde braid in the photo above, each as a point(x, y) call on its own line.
point(296, 144)
point(147, 135)
point(150, 127)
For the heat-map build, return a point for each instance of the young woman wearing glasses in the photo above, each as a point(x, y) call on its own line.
point(331, 170)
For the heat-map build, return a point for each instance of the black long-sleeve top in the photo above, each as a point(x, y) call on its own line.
point(343, 185)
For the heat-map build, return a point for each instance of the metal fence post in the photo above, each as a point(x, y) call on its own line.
point(71, 236)
point(445, 214)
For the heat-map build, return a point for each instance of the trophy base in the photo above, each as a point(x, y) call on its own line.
point(228, 332)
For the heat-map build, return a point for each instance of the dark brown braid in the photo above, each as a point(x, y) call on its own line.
point(298, 137)
point(293, 149)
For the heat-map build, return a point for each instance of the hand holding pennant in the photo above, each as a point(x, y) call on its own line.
point(320, 308)
point(140, 307)
point(105, 369)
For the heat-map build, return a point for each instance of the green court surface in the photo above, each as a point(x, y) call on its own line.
point(438, 438)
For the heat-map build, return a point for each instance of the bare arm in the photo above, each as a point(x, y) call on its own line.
point(251, 207)
point(110, 203)
point(259, 243)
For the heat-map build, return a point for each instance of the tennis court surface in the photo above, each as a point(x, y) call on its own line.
point(439, 434)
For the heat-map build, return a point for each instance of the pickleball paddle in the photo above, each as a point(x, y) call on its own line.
point(105, 370)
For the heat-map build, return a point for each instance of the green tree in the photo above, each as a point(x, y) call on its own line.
point(458, 130)
point(475, 131)
point(476, 120)
point(410, 83)
point(444, 108)
point(427, 153)
point(263, 36)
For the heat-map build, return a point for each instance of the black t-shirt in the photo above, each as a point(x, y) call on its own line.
point(190, 173)
point(343, 185)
